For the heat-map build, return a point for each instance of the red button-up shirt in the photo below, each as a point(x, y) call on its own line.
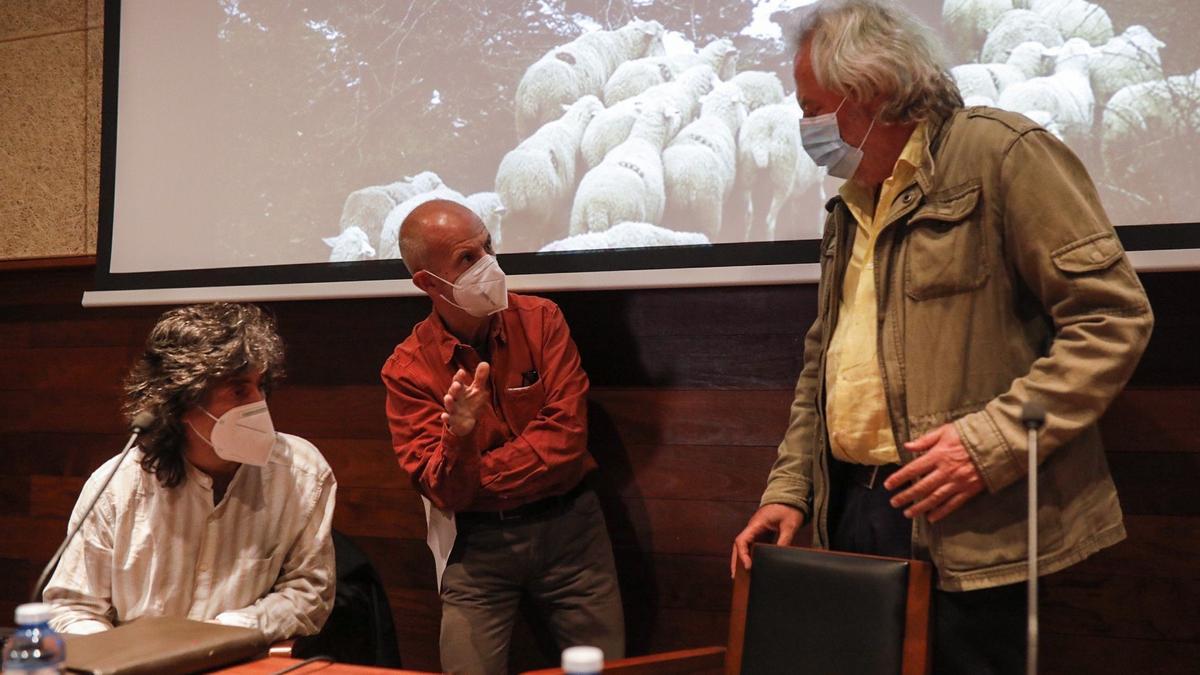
point(530, 443)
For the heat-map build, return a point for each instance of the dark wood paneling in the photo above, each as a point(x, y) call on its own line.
point(691, 389)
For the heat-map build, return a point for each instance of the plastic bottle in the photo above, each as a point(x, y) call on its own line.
point(34, 649)
point(582, 661)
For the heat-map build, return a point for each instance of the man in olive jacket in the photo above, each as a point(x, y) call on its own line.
point(967, 267)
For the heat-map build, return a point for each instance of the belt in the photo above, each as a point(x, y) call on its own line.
point(871, 476)
point(542, 508)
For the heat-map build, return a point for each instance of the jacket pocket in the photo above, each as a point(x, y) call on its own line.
point(945, 247)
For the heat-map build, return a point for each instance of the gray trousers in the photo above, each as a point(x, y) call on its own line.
point(564, 562)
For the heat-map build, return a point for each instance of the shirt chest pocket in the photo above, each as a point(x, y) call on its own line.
point(523, 404)
point(946, 246)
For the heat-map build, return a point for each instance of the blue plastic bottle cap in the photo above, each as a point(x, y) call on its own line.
point(33, 613)
point(582, 660)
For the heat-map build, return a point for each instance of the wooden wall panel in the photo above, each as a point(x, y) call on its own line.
point(686, 412)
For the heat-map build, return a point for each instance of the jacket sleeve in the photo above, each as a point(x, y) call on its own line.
point(550, 448)
point(790, 480)
point(302, 596)
point(440, 464)
point(1061, 244)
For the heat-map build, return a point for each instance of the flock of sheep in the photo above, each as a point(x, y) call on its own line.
point(625, 143)
point(628, 142)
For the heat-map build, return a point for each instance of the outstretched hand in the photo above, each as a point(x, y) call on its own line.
point(780, 519)
point(465, 399)
point(942, 478)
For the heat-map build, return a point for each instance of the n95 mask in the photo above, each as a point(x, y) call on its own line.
point(480, 291)
point(244, 434)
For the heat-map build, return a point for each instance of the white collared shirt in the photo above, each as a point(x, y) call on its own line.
point(262, 558)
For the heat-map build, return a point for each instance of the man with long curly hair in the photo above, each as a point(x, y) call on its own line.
point(217, 517)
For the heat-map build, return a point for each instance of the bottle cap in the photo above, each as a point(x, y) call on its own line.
point(33, 613)
point(582, 660)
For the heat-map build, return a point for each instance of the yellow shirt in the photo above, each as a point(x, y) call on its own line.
point(856, 412)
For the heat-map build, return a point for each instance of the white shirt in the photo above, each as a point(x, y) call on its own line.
point(262, 558)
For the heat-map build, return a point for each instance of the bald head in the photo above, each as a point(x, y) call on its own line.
point(428, 233)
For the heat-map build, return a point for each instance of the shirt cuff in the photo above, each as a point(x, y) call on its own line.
point(237, 619)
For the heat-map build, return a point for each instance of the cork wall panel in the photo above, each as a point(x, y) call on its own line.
point(93, 91)
point(42, 141)
point(27, 18)
point(95, 13)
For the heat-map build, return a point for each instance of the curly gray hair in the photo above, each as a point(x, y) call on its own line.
point(188, 351)
point(866, 49)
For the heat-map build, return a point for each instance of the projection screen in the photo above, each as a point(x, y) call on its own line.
point(269, 149)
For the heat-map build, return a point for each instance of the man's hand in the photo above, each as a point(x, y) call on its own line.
point(778, 518)
point(466, 399)
point(943, 478)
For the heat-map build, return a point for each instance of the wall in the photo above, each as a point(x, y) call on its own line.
point(690, 395)
point(50, 69)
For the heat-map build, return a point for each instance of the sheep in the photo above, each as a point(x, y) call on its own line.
point(567, 73)
point(1076, 18)
point(611, 126)
point(490, 209)
point(978, 101)
point(700, 164)
point(351, 244)
point(967, 23)
point(389, 238)
point(626, 235)
point(759, 88)
point(633, 77)
point(1013, 28)
point(772, 165)
point(985, 79)
point(1150, 122)
point(1031, 58)
point(628, 184)
point(536, 179)
point(1045, 120)
point(1129, 58)
point(366, 208)
point(1066, 95)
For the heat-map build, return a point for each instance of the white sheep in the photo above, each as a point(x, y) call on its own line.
point(1066, 95)
point(978, 101)
point(626, 235)
point(389, 238)
point(759, 88)
point(611, 126)
point(628, 184)
point(1046, 120)
point(1149, 122)
point(1032, 58)
point(1128, 58)
point(985, 79)
point(967, 23)
point(1013, 28)
point(772, 166)
point(1076, 18)
point(567, 73)
point(366, 208)
point(700, 164)
point(352, 244)
point(490, 209)
point(536, 179)
point(412, 186)
point(634, 77)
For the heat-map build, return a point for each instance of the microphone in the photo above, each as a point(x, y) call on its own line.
point(1033, 416)
point(141, 422)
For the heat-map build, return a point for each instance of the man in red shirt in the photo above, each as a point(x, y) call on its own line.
point(487, 405)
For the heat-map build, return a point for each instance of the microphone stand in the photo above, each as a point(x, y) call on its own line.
point(1033, 416)
point(140, 422)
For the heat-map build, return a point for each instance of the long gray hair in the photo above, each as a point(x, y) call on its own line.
point(866, 49)
point(188, 351)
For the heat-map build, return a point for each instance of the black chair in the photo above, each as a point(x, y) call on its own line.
point(359, 629)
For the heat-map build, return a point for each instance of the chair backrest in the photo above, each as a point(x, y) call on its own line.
point(809, 610)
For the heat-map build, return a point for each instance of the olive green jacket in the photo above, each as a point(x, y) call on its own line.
point(1000, 280)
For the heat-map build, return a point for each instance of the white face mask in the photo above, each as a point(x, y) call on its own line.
point(482, 290)
point(244, 434)
point(822, 140)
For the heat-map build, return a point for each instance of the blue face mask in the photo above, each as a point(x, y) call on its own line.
point(822, 140)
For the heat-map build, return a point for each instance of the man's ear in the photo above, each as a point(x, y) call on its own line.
point(425, 281)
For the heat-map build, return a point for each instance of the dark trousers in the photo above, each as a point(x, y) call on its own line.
point(976, 632)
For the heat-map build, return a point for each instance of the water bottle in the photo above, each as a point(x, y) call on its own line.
point(582, 661)
point(34, 649)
